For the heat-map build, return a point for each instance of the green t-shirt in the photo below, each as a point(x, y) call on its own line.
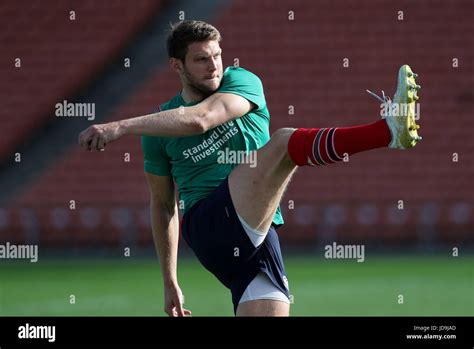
point(196, 162)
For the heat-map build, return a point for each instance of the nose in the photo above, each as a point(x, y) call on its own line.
point(213, 64)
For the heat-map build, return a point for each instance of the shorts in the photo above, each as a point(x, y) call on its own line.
point(262, 288)
point(212, 229)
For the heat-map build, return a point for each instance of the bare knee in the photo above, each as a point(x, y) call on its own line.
point(280, 140)
point(282, 135)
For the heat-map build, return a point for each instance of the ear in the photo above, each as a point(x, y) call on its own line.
point(176, 65)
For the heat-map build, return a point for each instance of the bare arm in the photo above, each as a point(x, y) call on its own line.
point(165, 226)
point(184, 121)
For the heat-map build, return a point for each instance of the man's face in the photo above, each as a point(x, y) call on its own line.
point(202, 69)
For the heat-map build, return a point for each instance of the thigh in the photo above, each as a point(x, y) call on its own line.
point(263, 307)
point(256, 191)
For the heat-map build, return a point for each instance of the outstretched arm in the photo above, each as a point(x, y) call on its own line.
point(184, 121)
point(165, 226)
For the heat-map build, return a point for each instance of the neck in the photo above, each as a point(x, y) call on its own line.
point(191, 94)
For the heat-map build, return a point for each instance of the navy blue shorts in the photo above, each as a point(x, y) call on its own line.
point(213, 230)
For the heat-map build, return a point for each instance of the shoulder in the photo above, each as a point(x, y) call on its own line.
point(240, 79)
point(239, 73)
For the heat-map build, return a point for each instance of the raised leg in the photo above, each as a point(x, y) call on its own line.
point(256, 192)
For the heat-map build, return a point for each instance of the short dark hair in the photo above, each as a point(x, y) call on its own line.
point(186, 32)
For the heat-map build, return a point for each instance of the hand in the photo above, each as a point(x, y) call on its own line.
point(96, 137)
point(173, 302)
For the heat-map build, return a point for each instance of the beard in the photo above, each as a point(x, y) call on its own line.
point(199, 87)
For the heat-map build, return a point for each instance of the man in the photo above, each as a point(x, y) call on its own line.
point(232, 210)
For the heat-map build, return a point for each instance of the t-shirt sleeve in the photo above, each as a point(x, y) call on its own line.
point(245, 84)
point(156, 160)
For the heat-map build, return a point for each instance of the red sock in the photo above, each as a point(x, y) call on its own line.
point(321, 146)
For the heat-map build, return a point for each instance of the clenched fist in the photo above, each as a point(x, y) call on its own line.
point(96, 137)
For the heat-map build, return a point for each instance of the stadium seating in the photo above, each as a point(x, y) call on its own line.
point(59, 52)
point(301, 65)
